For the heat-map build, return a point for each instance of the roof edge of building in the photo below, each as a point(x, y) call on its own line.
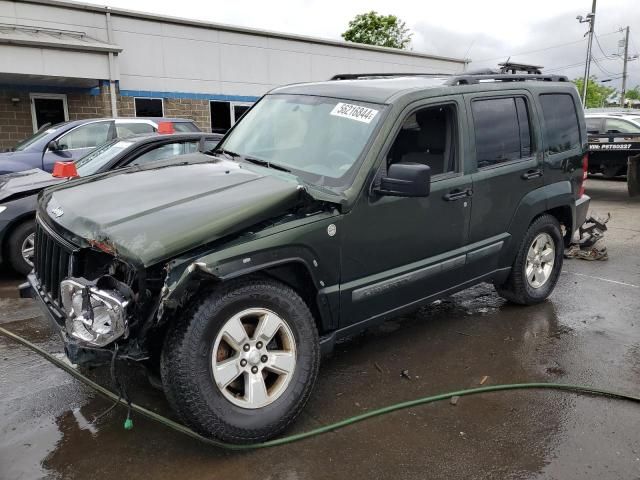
point(237, 29)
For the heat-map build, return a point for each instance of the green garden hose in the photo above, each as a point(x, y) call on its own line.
point(316, 431)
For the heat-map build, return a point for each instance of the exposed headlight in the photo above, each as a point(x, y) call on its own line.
point(2, 208)
point(95, 317)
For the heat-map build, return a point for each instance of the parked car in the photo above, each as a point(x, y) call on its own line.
point(329, 207)
point(613, 138)
point(70, 141)
point(19, 191)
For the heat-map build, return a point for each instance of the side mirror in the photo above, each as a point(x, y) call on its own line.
point(54, 146)
point(65, 170)
point(406, 180)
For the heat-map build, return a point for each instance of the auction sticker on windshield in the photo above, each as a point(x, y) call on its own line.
point(354, 112)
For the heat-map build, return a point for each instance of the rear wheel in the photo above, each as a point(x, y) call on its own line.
point(241, 364)
point(537, 265)
point(20, 247)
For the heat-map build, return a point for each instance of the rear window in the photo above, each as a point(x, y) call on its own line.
point(185, 127)
point(593, 125)
point(562, 128)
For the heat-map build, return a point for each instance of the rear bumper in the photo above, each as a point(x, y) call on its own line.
point(75, 353)
point(582, 207)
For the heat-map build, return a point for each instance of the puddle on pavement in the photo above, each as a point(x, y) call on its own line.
point(47, 428)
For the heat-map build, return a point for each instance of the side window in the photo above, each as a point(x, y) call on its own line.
point(593, 125)
point(427, 136)
point(86, 136)
point(562, 129)
point(502, 130)
point(137, 128)
point(164, 152)
point(616, 125)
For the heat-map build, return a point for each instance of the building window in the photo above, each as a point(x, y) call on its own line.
point(225, 114)
point(149, 107)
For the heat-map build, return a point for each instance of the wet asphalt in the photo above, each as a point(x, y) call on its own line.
point(588, 332)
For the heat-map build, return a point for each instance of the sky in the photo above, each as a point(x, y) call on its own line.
point(541, 32)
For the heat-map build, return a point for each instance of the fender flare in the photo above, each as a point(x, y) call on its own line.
point(533, 204)
point(219, 268)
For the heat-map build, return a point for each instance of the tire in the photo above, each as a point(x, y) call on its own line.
point(518, 288)
point(187, 361)
point(15, 243)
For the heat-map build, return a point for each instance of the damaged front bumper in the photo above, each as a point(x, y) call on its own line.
point(83, 343)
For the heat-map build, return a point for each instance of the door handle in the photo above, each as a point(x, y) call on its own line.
point(531, 174)
point(458, 195)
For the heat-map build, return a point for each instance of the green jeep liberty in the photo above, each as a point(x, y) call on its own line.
point(329, 207)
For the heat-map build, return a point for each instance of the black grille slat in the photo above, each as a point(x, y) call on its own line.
point(55, 271)
point(47, 263)
point(51, 265)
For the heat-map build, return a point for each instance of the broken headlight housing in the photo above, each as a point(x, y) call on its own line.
point(93, 316)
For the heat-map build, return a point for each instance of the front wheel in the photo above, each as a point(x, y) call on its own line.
point(21, 249)
point(537, 265)
point(240, 365)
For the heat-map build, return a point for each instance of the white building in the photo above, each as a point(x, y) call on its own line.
point(61, 60)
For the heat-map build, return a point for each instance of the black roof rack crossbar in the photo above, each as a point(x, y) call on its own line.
point(505, 77)
point(356, 76)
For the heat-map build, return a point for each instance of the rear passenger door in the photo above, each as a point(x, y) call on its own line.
point(507, 165)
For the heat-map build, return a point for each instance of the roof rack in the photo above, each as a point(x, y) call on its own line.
point(362, 76)
point(472, 79)
point(466, 78)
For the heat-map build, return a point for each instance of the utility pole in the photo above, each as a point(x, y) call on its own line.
point(624, 70)
point(591, 20)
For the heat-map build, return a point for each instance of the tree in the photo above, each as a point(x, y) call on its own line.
point(381, 30)
point(633, 93)
point(597, 93)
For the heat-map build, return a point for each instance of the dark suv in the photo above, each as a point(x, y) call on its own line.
point(328, 208)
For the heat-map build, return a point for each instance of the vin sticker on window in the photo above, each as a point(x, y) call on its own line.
point(354, 112)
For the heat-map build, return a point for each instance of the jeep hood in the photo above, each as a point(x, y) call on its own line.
point(28, 181)
point(150, 215)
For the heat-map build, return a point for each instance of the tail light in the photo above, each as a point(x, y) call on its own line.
point(585, 172)
point(166, 127)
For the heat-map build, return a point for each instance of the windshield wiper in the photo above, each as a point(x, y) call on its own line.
point(228, 153)
point(264, 163)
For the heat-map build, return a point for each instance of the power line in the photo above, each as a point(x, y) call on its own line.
point(550, 47)
point(610, 57)
point(602, 69)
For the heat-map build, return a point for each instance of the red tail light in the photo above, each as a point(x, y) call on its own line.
point(65, 170)
point(166, 127)
point(585, 172)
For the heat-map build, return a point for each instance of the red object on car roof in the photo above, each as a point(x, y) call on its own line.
point(166, 127)
point(65, 170)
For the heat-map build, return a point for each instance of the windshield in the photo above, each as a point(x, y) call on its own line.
point(27, 142)
point(318, 138)
point(101, 156)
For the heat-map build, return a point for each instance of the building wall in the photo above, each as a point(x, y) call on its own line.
point(15, 118)
point(174, 55)
point(185, 62)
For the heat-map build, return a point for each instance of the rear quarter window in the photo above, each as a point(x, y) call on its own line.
point(562, 127)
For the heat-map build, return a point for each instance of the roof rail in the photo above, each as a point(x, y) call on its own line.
point(465, 79)
point(357, 76)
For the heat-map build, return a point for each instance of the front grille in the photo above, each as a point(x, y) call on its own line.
point(52, 262)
